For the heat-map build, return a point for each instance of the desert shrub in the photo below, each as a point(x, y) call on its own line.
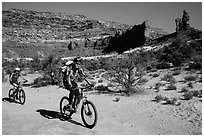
point(177, 72)
point(41, 81)
point(190, 77)
point(197, 93)
point(159, 98)
point(171, 87)
point(188, 95)
point(110, 85)
point(35, 63)
point(101, 88)
point(128, 71)
point(157, 86)
point(190, 84)
point(183, 90)
point(169, 78)
point(100, 81)
point(180, 52)
point(155, 75)
point(142, 81)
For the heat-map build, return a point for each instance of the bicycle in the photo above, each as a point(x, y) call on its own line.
point(17, 94)
point(88, 109)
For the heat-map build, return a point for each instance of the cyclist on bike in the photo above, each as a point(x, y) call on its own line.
point(71, 72)
point(13, 78)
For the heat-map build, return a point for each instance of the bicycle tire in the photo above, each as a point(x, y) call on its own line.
point(62, 109)
point(11, 97)
point(21, 96)
point(83, 114)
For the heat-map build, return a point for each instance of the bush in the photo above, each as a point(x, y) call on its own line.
point(171, 87)
point(101, 88)
point(190, 84)
point(155, 75)
point(177, 72)
point(188, 95)
point(197, 93)
point(190, 78)
point(183, 90)
point(128, 71)
point(157, 86)
point(100, 81)
point(142, 81)
point(180, 52)
point(41, 81)
point(169, 78)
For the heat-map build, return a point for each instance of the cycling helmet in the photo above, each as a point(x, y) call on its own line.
point(17, 69)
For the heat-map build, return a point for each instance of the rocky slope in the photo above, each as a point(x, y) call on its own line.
point(58, 33)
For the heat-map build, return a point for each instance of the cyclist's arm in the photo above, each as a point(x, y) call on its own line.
point(10, 77)
point(22, 77)
point(68, 73)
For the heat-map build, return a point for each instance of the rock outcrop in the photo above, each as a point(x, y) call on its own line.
point(132, 38)
point(182, 23)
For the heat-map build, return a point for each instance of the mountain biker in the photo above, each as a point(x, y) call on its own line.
point(71, 72)
point(14, 77)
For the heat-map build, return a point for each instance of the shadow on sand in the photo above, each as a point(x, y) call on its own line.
point(9, 100)
point(57, 115)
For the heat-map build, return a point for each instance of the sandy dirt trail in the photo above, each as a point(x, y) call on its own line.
point(136, 115)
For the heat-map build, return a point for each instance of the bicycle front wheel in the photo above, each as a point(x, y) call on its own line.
point(89, 114)
point(21, 96)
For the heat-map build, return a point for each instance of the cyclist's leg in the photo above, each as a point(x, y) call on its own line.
point(75, 93)
point(78, 97)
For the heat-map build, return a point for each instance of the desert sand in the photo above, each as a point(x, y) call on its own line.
point(138, 114)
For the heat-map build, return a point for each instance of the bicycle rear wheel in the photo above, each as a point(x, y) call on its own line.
point(64, 110)
point(21, 96)
point(11, 96)
point(89, 114)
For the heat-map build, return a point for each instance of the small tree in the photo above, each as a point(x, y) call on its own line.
point(128, 71)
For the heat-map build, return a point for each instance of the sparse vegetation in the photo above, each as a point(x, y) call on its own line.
point(169, 78)
point(183, 90)
point(171, 87)
point(128, 71)
point(190, 77)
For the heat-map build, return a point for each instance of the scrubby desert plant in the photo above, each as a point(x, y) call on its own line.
point(190, 77)
point(157, 86)
point(190, 84)
point(100, 81)
point(176, 72)
point(155, 75)
point(183, 90)
point(169, 78)
point(128, 71)
point(171, 87)
point(101, 88)
point(197, 93)
point(188, 95)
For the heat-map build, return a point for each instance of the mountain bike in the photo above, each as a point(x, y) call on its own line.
point(17, 94)
point(89, 114)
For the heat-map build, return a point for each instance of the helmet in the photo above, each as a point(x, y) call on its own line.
point(17, 69)
point(77, 59)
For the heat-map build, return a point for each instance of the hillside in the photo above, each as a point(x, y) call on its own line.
point(57, 33)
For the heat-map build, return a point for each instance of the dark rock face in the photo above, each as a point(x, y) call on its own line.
point(132, 38)
point(182, 24)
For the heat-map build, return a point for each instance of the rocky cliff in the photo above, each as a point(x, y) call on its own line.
point(61, 33)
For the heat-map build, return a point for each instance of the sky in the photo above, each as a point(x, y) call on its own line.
point(160, 14)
